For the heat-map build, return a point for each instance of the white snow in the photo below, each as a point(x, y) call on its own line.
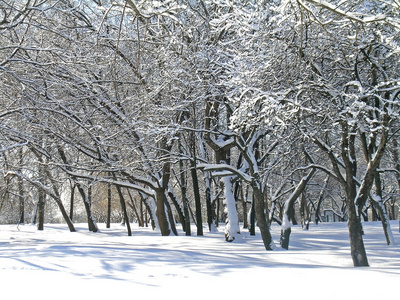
point(57, 263)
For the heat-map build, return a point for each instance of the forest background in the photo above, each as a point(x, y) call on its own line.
point(166, 112)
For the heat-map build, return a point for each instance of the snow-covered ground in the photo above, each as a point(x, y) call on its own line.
point(43, 265)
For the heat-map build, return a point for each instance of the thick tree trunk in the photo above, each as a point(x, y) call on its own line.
point(285, 236)
point(396, 158)
point(261, 216)
point(358, 253)
point(232, 229)
point(40, 209)
point(161, 213)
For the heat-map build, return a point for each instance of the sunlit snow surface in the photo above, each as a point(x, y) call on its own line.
point(318, 265)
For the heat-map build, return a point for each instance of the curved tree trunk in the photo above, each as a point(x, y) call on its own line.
point(123, 208)
point(286, 228)
point(380, 207)
point(88, 208)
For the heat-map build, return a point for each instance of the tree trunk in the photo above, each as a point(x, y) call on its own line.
point(320, 199)
point(123, 208)
point(134, 208)
point(161, 213)
point(358, 253)
point(143, 219)
point(252, 225)
point(178, 209)
point(34, 213)
point(232, 229)
point(21, 197)
point(380, 207)
point(185, 201)
point(304, 212)
point(289, 203)
point(108, 222)
point(210, 213)
point(261, 216)
point(88, 208)
point(71, 202)
point(244, 203)
point(185, 220)
point(40, 209)
point(396, 158)
point(197, 199)
point(170, 216)
point(151, 207)
point(217, 209)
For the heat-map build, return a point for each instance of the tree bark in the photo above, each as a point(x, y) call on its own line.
point(88, 208)
point(40, 209)
point(210, 213)
point(358, 253)
point(320, 199)
point(396, 158)
point(185, 219)
point(252, 224)
point(232, 229)
point(380, 207)
point(161, 213)
point(108, 222)
point(197, 199)
point(286, 228)
point(132, 205)
point(185, 201)
point(261, 216)
point(21, 195)
point(123, 208)
point(71, 201)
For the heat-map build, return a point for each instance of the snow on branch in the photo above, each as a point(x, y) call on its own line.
point(149, 192)
point(225, 170)
point(350, 15)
